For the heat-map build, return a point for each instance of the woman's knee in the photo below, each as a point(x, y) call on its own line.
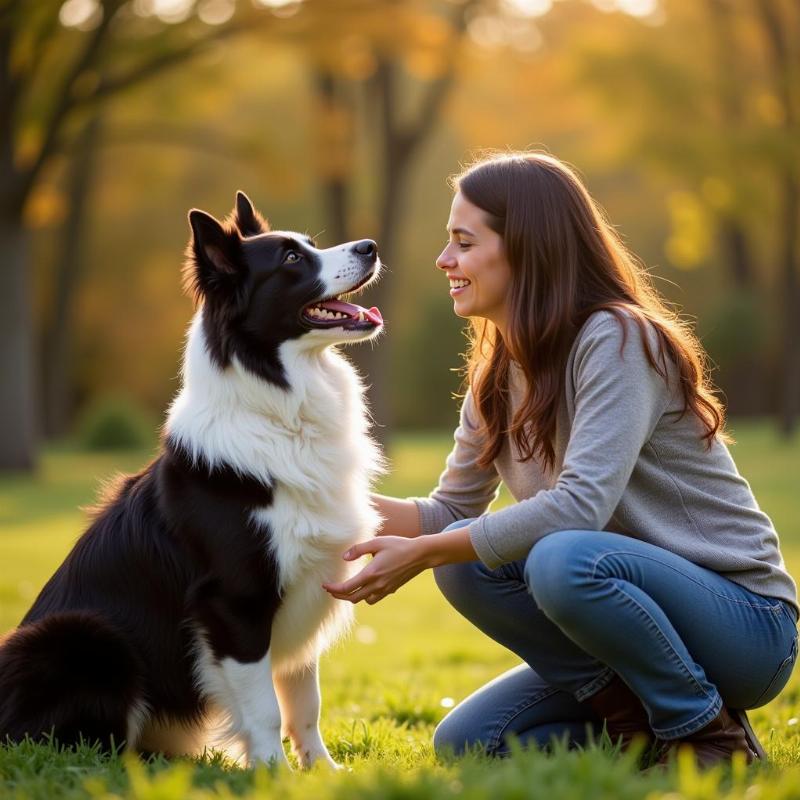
point(457, 582)
point(454, 736)
point(552, 567)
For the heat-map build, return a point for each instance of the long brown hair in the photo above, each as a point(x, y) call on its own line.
point(566, 263)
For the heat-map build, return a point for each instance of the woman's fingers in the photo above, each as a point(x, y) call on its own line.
point(362, 549)
point(359, 594)
point(345, 588)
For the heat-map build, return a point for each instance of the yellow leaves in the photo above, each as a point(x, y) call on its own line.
point(431, 46)
point(46, 207)
point(431, 30)
point(690, 242)
point(717, 193)
point(357, 59)
point(28, 144)
point(426, 65)
point(769, 108)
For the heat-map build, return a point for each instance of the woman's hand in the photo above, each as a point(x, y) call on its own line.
point(397, 560)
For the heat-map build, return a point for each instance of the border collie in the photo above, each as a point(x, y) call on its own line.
point(195, 594)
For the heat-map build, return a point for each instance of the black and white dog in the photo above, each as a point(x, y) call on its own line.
point(195, 595)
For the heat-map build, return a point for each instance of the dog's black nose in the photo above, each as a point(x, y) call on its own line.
point(366, 247)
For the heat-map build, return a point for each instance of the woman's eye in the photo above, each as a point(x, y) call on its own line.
point(464, 245)
point(291, 257)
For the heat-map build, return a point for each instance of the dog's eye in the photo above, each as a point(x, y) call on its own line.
point(292, 257)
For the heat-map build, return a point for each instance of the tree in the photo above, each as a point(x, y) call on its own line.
point(113, 49)
point(108, 50)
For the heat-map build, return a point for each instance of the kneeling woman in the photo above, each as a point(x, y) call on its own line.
point(635, 575)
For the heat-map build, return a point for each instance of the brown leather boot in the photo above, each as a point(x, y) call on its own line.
point(717, 741)
point(623, 712)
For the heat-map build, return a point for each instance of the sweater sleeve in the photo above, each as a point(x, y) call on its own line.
point(619, 399)
point(465, 490)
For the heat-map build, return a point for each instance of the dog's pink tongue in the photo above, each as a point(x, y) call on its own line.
point(352, 310)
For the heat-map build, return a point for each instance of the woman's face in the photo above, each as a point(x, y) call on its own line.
point(474, 254)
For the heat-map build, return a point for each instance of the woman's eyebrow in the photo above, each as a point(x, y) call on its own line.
point(462, 231)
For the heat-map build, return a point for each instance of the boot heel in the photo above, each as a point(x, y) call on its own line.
point(752, 740)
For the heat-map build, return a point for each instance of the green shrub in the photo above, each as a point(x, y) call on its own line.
point(115, 422)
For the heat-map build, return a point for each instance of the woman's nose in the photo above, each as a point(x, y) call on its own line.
point(446, 260)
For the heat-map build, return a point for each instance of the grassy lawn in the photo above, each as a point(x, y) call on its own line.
point(409, 659)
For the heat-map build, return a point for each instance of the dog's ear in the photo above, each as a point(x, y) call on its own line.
point(246, 218)
point(214, 259)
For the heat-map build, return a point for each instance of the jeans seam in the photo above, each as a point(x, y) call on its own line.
point(695, 724)
point(591, 688)
point(789, 613)
point(675, 656)
point(773, 608)
point(494, 741)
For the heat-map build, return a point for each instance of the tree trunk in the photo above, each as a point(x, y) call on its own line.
point(334, 185)
point(737, 247)
point(57, 336)
point(18, 406)
point(375, 361)
point(789, 383)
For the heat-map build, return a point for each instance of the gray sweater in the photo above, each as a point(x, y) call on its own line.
point(624, 463)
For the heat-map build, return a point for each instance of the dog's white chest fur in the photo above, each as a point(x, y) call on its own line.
point(310, 443)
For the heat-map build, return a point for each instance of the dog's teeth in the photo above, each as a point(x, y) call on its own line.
point(361, 316)
point(323, 313)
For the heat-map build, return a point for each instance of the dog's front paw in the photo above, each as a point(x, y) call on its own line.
point(312, 758)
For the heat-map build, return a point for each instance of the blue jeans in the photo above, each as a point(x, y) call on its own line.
point(585, 605)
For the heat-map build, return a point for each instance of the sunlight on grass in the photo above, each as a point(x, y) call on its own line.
point(407, 661)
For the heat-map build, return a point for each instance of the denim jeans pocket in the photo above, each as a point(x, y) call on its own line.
point(779, 679)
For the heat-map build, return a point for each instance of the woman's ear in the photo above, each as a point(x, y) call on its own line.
point(214, 260)
point(246, 218)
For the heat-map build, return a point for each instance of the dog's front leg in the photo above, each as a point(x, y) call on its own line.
point(298, 693)
point(254, 703)
point(235, 666)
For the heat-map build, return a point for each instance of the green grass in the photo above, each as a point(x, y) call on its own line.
point(408, 659)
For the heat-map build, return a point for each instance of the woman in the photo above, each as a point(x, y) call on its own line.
point(635, 575)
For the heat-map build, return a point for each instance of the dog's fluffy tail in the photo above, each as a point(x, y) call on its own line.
point(71, 675)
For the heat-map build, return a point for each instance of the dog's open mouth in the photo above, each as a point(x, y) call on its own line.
point(335, 313)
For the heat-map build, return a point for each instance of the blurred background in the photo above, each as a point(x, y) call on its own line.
point(344, 118)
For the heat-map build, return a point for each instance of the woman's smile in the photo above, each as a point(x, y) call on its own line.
point(458, 286)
